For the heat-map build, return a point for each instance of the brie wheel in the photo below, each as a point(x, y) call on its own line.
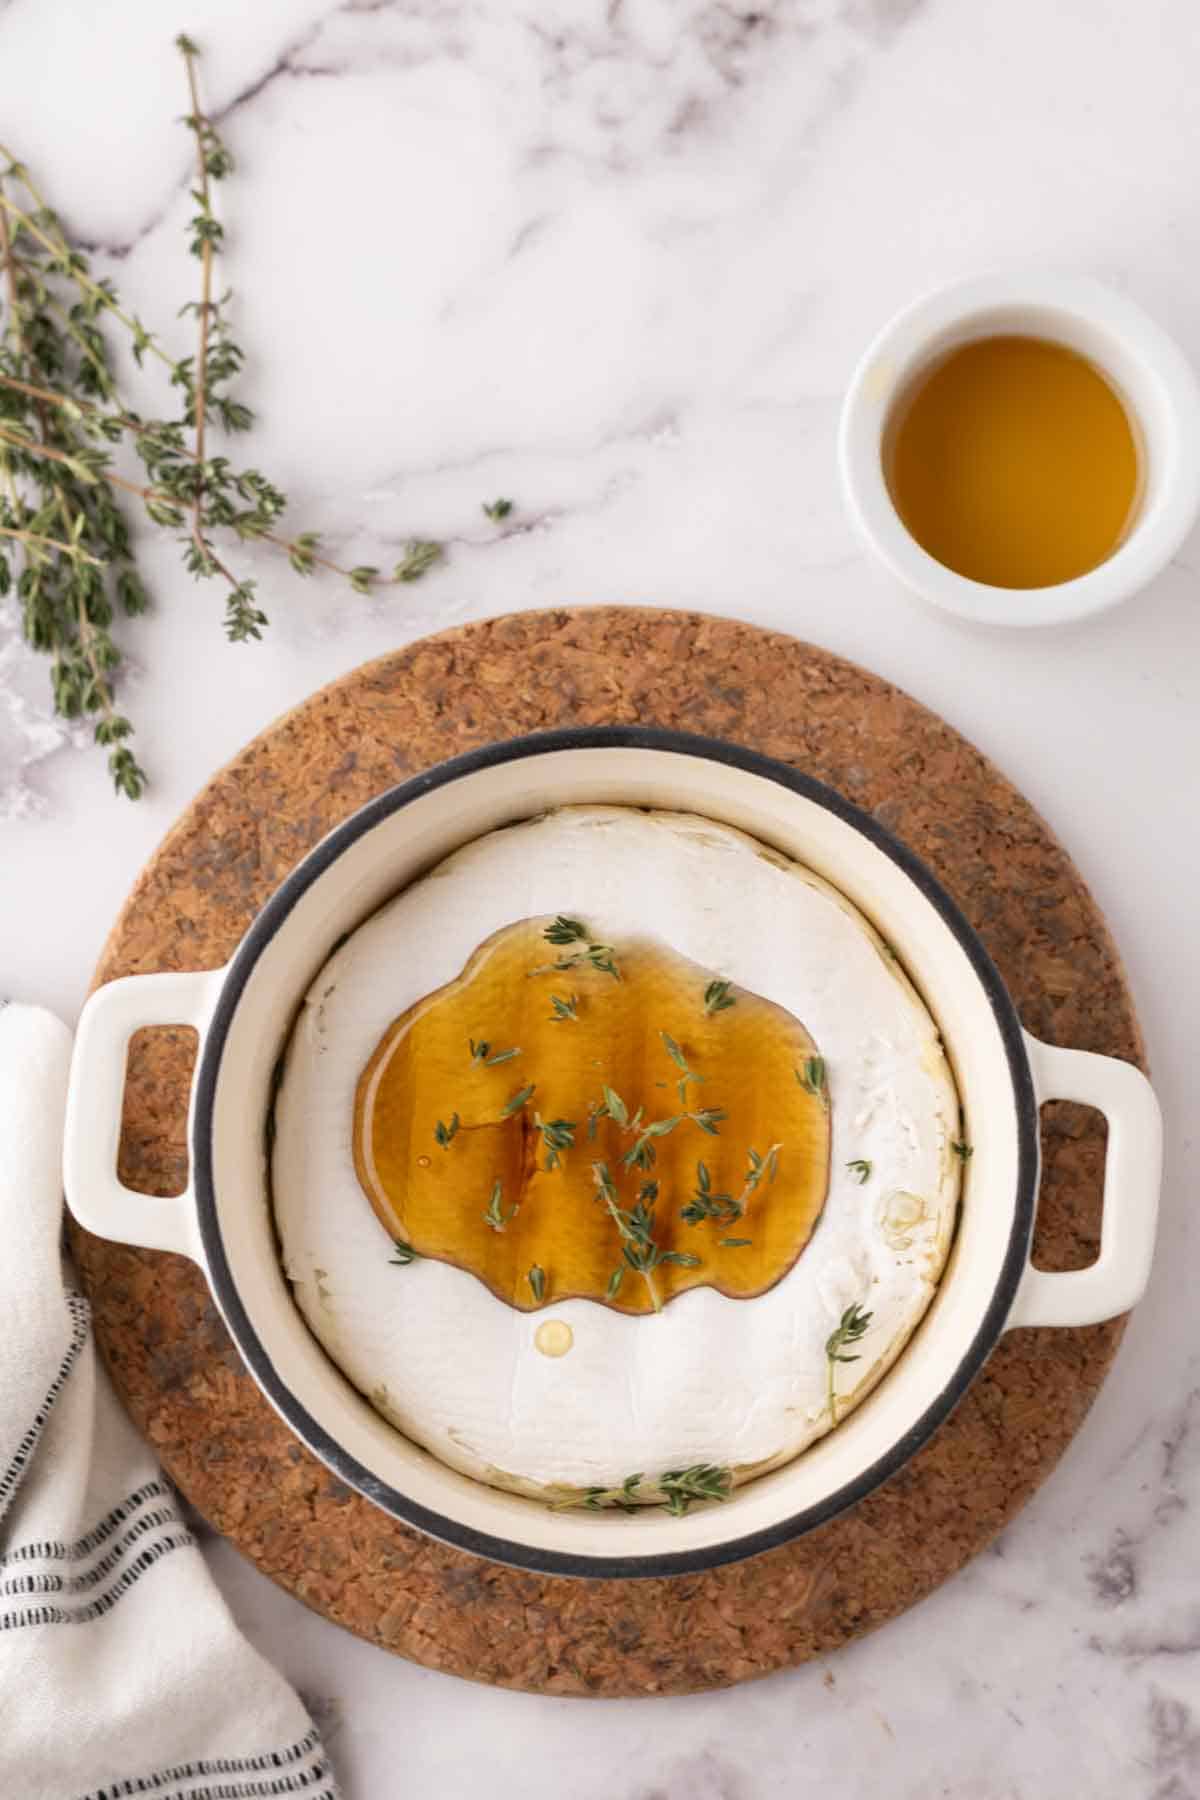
point(742, 1384)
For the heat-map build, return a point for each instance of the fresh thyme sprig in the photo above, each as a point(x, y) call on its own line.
point(482, 1053)
point(861, 1167)
point(537, 1282)
point(641, 1154)
point(557, 1135)
point(622, 1498)
point(496, 510)
point(962, 1149)
point(567, 932)
point(850, 1330)
point(703, 1481)
point(718, 997)
point(676, 1490)
point(405, 1254)
point(724, 1208)
point(704, 1204)
point(564, 1009)
point(636, 1227)
point(66, 553)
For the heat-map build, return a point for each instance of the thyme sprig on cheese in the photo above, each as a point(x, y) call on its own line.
point(850, 1330)
point(724, 1208)
point(718, 997)
point(557, 1135)
point(677, 1490)
point(636, 1225)
point(703, 1481)
point(575, 936)
point(641, 1153)
point(704, 1204)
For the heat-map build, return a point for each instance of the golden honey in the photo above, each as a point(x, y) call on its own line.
point(517, 1167)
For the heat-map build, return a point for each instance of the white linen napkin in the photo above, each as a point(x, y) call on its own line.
point(121, 1671)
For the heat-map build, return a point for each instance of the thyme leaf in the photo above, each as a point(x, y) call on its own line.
point(495, 1215)
point(482, 1053)
point(681, 1062)
point(520, 1098)
point(703, 1481)
point(812, 1078)
point(565, 931)
point(717, 997)
point(446, 1134)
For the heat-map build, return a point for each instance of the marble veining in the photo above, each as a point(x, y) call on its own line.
point(615, 259)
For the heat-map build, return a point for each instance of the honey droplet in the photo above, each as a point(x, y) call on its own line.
point(497, 1199)
point(554, 1337)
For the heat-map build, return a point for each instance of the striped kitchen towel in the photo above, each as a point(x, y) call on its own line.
point(121, 1671)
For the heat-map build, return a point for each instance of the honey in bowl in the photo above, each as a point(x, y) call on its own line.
point(1014, 462)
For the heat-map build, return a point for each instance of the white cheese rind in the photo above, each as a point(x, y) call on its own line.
point(741, 1383)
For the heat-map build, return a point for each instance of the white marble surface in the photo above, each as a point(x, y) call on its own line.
point(616, 261)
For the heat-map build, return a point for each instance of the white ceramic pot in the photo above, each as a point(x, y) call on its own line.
point(244, 1012)
point(1143, 363)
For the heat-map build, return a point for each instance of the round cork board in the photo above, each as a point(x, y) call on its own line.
point(163, 1339)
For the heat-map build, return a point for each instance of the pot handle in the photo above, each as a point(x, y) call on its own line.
point(92, 1134)
point(1132, 1172)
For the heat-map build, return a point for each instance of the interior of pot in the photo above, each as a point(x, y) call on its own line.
point(336, 889)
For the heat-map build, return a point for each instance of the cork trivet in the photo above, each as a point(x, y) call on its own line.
point(177, 1369)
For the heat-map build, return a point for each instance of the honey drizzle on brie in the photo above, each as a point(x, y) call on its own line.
point(457, 1153)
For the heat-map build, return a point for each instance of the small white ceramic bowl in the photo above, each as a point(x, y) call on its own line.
point(244, 1014)
point(1145, 366)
